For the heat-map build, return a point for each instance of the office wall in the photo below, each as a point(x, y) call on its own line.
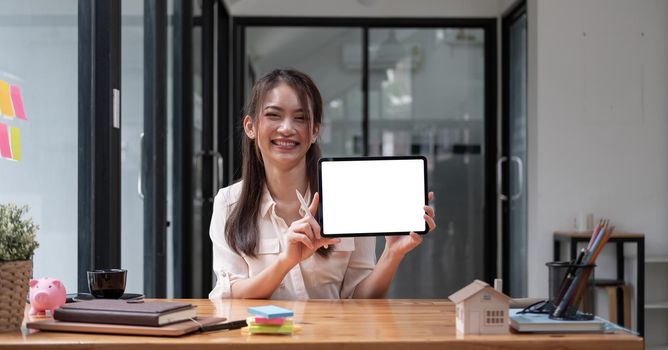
point(598, 119)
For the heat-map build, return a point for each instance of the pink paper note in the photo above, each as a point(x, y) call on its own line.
point(17, 102)
point(271, 321)
point(5, 151)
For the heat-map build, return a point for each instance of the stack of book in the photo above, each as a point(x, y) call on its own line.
point(126, 312)
point(533, 322)
point(270, 319)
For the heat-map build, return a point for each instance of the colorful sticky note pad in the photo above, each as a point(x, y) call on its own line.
point(270, 311)
point(5, 150)
point(261, 329)
point(267, 321)
point(5, 100)
point(15, 93)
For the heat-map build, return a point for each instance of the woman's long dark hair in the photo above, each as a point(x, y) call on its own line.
point(241, 229)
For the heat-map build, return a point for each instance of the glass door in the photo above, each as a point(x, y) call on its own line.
point(427, 90)
point(427, 97)
point(513, 194)
point(143, 146)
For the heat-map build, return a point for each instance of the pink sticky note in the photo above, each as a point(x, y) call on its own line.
point(272, 321)
point(5, 151)
point(17, 102)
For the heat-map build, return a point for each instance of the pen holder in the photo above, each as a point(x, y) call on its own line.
point(571, 289)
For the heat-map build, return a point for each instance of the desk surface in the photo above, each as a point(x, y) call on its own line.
point(332, 324)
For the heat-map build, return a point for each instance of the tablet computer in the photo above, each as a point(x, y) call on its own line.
point(372, 196)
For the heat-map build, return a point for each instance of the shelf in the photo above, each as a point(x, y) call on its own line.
point(656, 260)
point(657, 305)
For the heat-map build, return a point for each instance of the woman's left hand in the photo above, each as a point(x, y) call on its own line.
point(399, 246)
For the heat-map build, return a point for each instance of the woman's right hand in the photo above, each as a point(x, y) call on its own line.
point(297, 238)
point(303, 237)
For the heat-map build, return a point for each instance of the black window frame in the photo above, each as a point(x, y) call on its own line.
point(99, 141)
point(99, 163)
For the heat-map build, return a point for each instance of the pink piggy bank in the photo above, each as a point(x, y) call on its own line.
point(46, 294)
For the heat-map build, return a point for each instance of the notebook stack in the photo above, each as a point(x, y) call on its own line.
point(122, 312)
point(270, 319)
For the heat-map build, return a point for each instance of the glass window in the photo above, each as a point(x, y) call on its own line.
point(39, 57)
point(132, 131)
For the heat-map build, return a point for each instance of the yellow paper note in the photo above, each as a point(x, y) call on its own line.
point(5, 100)
point(15, 140)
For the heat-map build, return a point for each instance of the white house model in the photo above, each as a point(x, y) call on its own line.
point(480, 309)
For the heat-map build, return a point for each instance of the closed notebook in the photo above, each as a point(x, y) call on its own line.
point(531, 322)
point(149, 313)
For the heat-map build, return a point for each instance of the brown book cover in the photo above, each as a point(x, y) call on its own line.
point(127, 312)
point(172, 330)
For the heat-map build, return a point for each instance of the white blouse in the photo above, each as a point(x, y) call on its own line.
point(316, 277)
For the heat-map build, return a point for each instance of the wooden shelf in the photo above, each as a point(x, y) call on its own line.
point(657, 305)
point(587, 234)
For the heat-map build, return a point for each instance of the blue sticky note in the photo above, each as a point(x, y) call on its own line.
point(270, 311)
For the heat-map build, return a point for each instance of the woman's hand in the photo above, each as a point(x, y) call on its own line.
point(303, 236)
point(399, 246)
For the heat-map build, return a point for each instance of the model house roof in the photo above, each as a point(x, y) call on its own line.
point(471, 290)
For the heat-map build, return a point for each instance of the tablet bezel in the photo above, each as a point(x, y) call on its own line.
point(371, 158)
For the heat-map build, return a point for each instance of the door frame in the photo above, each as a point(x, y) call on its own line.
point(193, 258)
point(489, 25)
point(99, 138)
point(508, 19)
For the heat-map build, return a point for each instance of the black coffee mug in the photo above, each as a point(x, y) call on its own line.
point(107, 283)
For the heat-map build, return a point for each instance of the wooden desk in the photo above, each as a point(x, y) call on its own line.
point(332, 324)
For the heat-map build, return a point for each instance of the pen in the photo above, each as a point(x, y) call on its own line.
point(304, 207)
point(220, 326)
point(569, 277)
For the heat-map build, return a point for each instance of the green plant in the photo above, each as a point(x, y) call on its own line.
point(17, 235)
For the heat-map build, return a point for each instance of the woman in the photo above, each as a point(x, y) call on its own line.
point(263, 246)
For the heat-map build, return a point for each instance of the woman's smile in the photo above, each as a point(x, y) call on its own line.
point(285, 144)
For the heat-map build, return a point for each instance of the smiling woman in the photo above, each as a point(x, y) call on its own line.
point(264, 247)
point(284, 130)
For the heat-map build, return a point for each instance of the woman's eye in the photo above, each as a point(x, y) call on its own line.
point(300, 118)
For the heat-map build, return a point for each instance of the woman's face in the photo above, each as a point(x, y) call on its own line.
point(282, 130)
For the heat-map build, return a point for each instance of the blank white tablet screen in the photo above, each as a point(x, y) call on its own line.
point(372, 196)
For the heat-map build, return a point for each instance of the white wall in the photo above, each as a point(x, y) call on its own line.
point(598, 119)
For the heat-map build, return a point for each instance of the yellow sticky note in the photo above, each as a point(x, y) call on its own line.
point(5, 100)
point(15, 141)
